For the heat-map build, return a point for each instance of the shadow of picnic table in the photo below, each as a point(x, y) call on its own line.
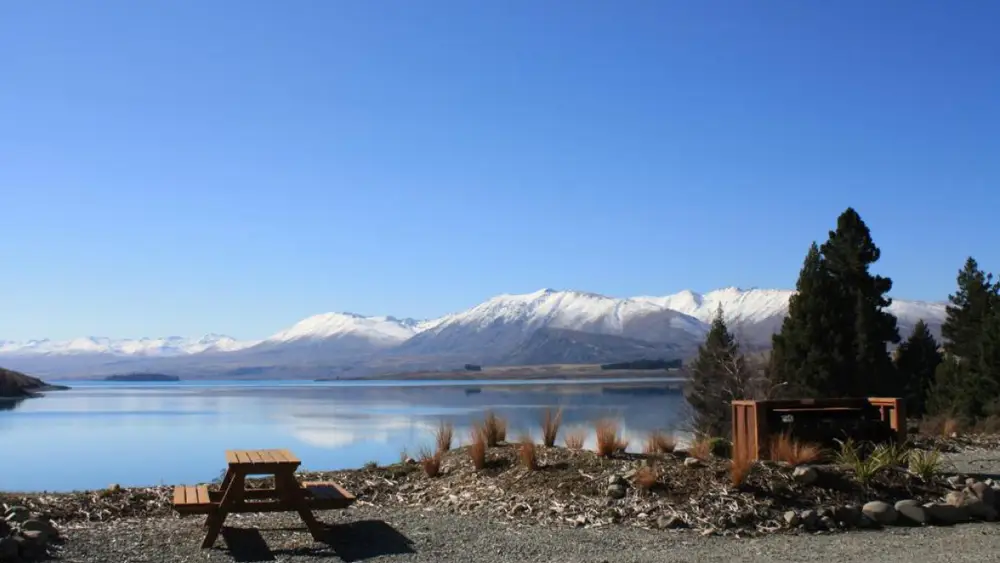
point(353, 541)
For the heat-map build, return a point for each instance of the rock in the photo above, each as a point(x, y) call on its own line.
point(4, 529)
point(616, 491)
point(956, 481)
point(975, 507)
point(17, 514)
point(792, 519)
point(848, 515)
point(9, 548)
point(881, 512)
point(945, 514)
point(828, 523)
point(629, 474)
point(809, 519)
point(911, 512)
point(866, 523)
point(36, 537)
point(970, 481)
point(984, 493)
point(616, 480)
point(693, 462)
point(805, 475)
point(670, 523)
point(41, 526)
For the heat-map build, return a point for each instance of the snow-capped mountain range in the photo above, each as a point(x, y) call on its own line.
point(540, 327)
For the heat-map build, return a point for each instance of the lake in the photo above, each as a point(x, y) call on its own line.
point(138, 434)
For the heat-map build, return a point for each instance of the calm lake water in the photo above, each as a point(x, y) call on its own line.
point(139, 434)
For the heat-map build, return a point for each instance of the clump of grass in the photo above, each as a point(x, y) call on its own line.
point(371, 465)
point(574, 439)
point(646, 478)
point(431, 462)
point(526, 450)
point(926, 464)
point(892, 454)
point(739, 467)
point(608, 440)
point(788, 449)
point(701, 448)
point(720, 447)
point(404, 456)
point(865, 468)
point(949, 427)
point(477, 447)
point(550, 426)
point(659, 442)
point(494, 429)
point(443, 436)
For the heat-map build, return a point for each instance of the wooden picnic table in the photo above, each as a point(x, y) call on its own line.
point(288, 495)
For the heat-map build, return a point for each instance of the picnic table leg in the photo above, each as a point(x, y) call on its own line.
point(227, 480)
point(296, 495)
point(233, 494)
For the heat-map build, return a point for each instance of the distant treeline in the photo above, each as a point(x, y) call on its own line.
point(645, 364)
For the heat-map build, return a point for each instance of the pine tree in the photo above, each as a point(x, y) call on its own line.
point(917, 360)
point(834, 341)
point(849, 252)
point(968, 383)
point(710, 388)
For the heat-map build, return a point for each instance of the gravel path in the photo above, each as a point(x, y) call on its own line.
point(371, 534)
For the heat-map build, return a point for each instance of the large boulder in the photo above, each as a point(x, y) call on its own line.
point(805, 475)
point(945, 514)
point(975, 507)
point(911, 512)
point(881, 512)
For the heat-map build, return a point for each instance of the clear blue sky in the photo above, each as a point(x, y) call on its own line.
point(182, 167)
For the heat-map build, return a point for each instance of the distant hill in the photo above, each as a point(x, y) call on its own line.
point(142, 377)
point(16, 384)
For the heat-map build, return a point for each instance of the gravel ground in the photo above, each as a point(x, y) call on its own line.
point(372, 534)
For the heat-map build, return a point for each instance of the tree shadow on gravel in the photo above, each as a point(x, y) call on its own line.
point(353, 541)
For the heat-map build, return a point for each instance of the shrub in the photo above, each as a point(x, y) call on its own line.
point(646, 478)
point(430, 462)
point(926, 464)
point(701, 449)
point(608, 440)
point(494, 429)
point(865, 468)
point(371, 465)
point(477, 447)
point(526, 449)
point(404, 456)
point(892, 455)
point(443, 436)
point(720, 447)
point(659, 442)
point(574, 439)
point(739, 467)
point(787, 449)
point(550, 426)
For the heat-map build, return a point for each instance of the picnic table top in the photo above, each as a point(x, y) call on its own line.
point(261, 457)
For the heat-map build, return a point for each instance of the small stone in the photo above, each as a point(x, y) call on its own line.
point(693, 462)
point(580, 521)
point(984, 493)
point(9, 548)
point(17, 514)
point(847, 515)
point(616, 491)
point(881, 512)
point(629, 474)
point(792, 519)
point(968, 500)
point(912, 512)
point(708, 532)
point(805, 475)
point(828, 523)
point(36, 537)
point(670, 522)
point(955, 481)
point(809, 519)
point(989, 482)
point(945, 514)
point(616, 480)
point(970, 481)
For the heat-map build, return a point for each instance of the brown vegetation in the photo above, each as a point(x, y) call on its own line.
point(477, 447)
point(659, 442)
point(701, 448)
point(608, 440)
point(646, 478)
point(739, 467)
point(430, 462)
point(575, 438)
point(494, 429)
point(526, 450)
point(550, 426)
point(443, 436)
point(787, 449)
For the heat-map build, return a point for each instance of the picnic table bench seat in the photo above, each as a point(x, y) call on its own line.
point(327, 495)
point(192, 499)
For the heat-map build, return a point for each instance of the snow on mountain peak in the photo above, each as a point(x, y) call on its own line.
point(330, 325)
